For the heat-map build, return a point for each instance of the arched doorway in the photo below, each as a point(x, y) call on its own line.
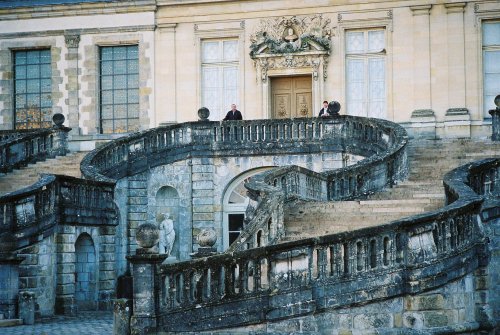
point(234, 205)
point(85, 273)
point(167, 201)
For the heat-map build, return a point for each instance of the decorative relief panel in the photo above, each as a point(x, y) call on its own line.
point(291, 42)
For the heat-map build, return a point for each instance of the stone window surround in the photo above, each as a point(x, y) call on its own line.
point(353, 23)
point(129, 38)
point(8, 90)
point(213, 33)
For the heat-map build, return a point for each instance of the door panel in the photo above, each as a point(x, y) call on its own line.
point(291, 96)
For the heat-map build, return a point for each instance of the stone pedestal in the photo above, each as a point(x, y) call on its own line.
point(146, 289)
point(495, 124)
point(423, 124)
point(457, 123)
point(121, 316)
point(9, 284)
point(27, 307)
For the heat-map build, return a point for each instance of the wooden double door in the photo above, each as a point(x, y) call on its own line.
point(291, 97)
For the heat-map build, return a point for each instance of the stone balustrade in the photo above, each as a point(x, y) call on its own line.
point(19, 148)
point(164, 145)
point(273, 282)
point(35, 210)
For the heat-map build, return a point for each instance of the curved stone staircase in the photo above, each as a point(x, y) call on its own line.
point(429, 161)
point(68, 165)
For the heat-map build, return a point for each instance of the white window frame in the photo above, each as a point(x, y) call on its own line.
point(485, 104)
point(366, 56)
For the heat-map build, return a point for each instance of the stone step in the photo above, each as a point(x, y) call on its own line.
point(10, 322)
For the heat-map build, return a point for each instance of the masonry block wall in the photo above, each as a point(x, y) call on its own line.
point(37, 273)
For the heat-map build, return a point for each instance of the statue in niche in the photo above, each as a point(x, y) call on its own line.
point(289, 35)
point(167, 234)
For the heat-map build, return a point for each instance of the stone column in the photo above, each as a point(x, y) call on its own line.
point(146, 281)
point(72, 87)
point(9, 284)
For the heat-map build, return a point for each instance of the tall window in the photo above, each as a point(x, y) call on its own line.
point(219, 72)
point(32, 89)
point(491, 64)
point(119, 89)
point(365, 73)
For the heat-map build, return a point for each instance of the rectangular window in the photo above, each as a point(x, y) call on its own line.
point(235, 225)
point(365, 73)
point(119, 89)
point(32, 89)
point(491, 64)
point(219, 76)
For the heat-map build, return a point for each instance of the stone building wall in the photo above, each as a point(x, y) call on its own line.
point(38, 274)
point(74, 35)
point(433, 58)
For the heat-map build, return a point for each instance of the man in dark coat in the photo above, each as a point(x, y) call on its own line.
point(233, 114)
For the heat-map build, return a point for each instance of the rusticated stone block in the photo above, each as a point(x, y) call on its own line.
point(425, 302)
point(435, 319)
point(370, 321)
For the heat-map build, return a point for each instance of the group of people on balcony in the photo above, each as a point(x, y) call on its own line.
point(329, 109)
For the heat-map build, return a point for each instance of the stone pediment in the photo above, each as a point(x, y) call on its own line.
point(290, 35)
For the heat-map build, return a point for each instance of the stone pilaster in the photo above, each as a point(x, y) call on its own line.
point(456, 54)
point(107, 268)
point(65, 287)
point(166, 75)
point(421, 57)
point(72, 87)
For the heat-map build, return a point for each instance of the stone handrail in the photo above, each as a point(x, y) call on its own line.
point(35, 210)
point(296, 278)
point(19, 148)
point(164, 145)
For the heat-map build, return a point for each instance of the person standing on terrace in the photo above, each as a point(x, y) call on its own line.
point(233, 114)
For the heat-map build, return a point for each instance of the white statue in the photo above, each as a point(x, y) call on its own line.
point(167, 234)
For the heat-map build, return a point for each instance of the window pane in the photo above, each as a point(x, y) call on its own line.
point(119, 88)
point(376, 40)
point(45, 71)
point(210, 51)
point(33, 71)
point(33, 86)
point(230, 50)
point(20, 58)
point(492, 61)
point(21, 86)
point(33, 57)
point(45, 56)
point(491, 33)
point(354, 42)
point(46, 85)
point(20, 72)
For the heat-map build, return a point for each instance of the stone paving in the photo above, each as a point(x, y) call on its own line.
point(86, 323)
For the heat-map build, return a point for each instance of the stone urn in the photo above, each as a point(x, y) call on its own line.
point(58, 120)
point(147, 236)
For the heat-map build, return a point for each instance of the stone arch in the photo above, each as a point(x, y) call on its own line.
point(85, 273)
point(167, 201)
point(235, 203)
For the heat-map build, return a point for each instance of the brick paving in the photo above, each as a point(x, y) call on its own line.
point(86, 323)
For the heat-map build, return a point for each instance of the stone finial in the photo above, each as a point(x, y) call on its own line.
point(334, 108)
point(58, 120)
point(147, 236)
point(497, 101)
point(207, 238)
point(203, 114)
